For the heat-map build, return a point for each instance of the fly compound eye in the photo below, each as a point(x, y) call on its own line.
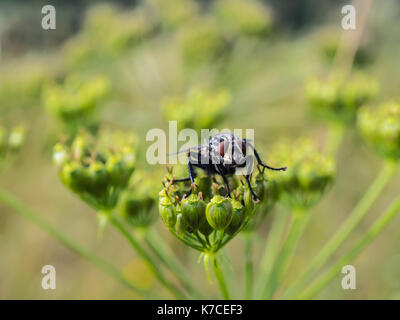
point(222, 148)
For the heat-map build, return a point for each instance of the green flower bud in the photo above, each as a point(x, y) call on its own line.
point(128, 156)
point(60, 155)
point(200, 108)
point(172, 13)
point(138, 209)
point(118, 171)
point(74, 101)
point(248, 201)
point(98, 169)
point(74, 176)
point(181, 225)
point(309, 175)
point(80, 147)
point(16, 138)
point(193, 211)
point(380, 127)
point(261, 186)
point(219, 212)
point(201, 41)
point(250, 17)
point(98, 177)
point(205, 228)
point(337, 100)
point(238, 216)
point(204, 184)
point(167, 211)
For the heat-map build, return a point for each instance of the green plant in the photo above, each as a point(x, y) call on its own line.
point(248, 18)
point(158, 48)
point(76, 101)
point(207, 219)
point(11, 142)
point(199, 109)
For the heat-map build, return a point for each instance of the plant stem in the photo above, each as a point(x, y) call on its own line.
point(299, 222)
point(359, 212)
point(372, 233)
point(167, 257)
point(220, 278)
point(52, 231)
point(249, 276)
point(271, 249)
point(335, 137)
point(146, 257)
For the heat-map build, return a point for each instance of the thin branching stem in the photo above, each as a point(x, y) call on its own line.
point(67, 242)
point(316, 286)
point(146, 257)
point(168, 258)
point(354, 218)
point(220, 278)
point(271, 249)
point(299, 221)
point(249, 269)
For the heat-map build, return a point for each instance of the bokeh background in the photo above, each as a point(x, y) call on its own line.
point(148, 58)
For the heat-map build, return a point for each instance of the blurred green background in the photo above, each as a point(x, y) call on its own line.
point(147, 57)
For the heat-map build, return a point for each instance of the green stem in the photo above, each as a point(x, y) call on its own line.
point(359, 212)
point(299, 222)
point(271, 249)
point(372, 233)
point(167, 257)
point(52, 231)
point(220, 278)
point(248, 252)
point(335, 137)
point(146, 257)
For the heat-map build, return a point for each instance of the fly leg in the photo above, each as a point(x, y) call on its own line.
point(247, 177)
point(192, 176)
point(228, 189)
point(260, 161)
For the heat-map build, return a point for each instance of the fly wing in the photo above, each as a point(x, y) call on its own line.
point(200, 155)
point(191, 149)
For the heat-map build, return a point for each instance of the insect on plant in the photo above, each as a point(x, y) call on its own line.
point(224, 154)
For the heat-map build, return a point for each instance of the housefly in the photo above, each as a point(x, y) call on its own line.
point(224, 154)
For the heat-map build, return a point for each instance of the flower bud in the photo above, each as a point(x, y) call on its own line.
point(74, 176)
point(60, 155)
point(167, 211)
point(339, 100)
point(380, 127)
point(181, 225)
point(201, 41)
point(238, 216)
point(98, 177)
point(248, 202)
point(200, 108)
point(204, 184)
point(16, 138)
point(309, 175)
point(128, 156)
point(118, 171)
point(205, 228)
point(219, 212)
point(193, 211)
point(261, 186)
point(79, 147)
point(138, 209)
point(248, 18)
